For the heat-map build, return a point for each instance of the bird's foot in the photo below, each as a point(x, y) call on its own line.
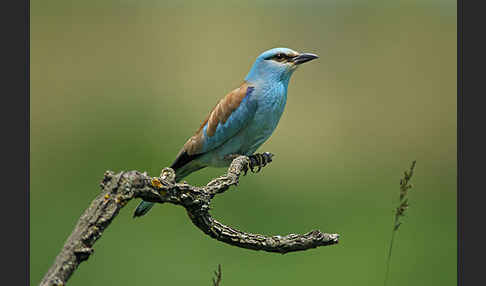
point(258, 160)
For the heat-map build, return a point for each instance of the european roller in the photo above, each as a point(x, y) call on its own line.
point(242, 120)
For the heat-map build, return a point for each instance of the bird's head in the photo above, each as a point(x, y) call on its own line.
point(277, 64)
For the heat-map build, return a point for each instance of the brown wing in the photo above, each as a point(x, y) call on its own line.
point(220, 113)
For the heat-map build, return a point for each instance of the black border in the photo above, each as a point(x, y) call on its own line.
point(15, 42)
point(471, 126)
point(460, 167)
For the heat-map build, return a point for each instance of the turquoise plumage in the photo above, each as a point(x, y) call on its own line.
point(243, 120)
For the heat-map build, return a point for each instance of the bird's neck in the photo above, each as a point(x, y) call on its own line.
point(270, 87)
point(268, 77)
point(267, 82)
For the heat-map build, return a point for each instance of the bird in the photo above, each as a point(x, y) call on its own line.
point(243, 119)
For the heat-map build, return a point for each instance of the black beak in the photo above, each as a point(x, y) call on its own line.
point(303, 58)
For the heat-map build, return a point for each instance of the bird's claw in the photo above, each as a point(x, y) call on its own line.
point(255, 161)
point(259, 160)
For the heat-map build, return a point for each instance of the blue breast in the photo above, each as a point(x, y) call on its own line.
point(271, 104)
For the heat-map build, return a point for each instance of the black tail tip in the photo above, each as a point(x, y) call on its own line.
point(139, 212)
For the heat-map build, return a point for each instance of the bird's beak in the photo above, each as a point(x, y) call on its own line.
point(303, 58)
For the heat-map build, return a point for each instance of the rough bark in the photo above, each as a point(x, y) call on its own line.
point(118, 189)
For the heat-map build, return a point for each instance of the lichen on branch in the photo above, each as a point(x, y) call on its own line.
point(118, 189)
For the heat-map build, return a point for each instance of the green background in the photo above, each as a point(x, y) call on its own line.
point(121, 85)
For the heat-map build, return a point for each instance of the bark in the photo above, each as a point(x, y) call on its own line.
point(118, 189)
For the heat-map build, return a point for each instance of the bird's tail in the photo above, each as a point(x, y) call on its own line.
point(142, 208)
point(181, 173)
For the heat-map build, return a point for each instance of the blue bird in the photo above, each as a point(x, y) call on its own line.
point(243, 119)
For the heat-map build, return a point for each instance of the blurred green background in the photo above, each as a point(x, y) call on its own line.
point(121, 85)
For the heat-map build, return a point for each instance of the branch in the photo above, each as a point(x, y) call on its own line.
point(119, 189)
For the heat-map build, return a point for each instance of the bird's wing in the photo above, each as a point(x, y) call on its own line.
point(230, 115)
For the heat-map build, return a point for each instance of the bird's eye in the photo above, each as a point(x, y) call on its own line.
point(280, 57)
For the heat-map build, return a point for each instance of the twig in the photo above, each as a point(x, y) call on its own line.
point(118, 189)
point(400, 212)
point(217, 278)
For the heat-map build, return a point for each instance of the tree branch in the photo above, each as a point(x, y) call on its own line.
point(118, 189)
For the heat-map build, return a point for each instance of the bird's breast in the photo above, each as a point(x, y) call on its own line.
point(271, 104)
